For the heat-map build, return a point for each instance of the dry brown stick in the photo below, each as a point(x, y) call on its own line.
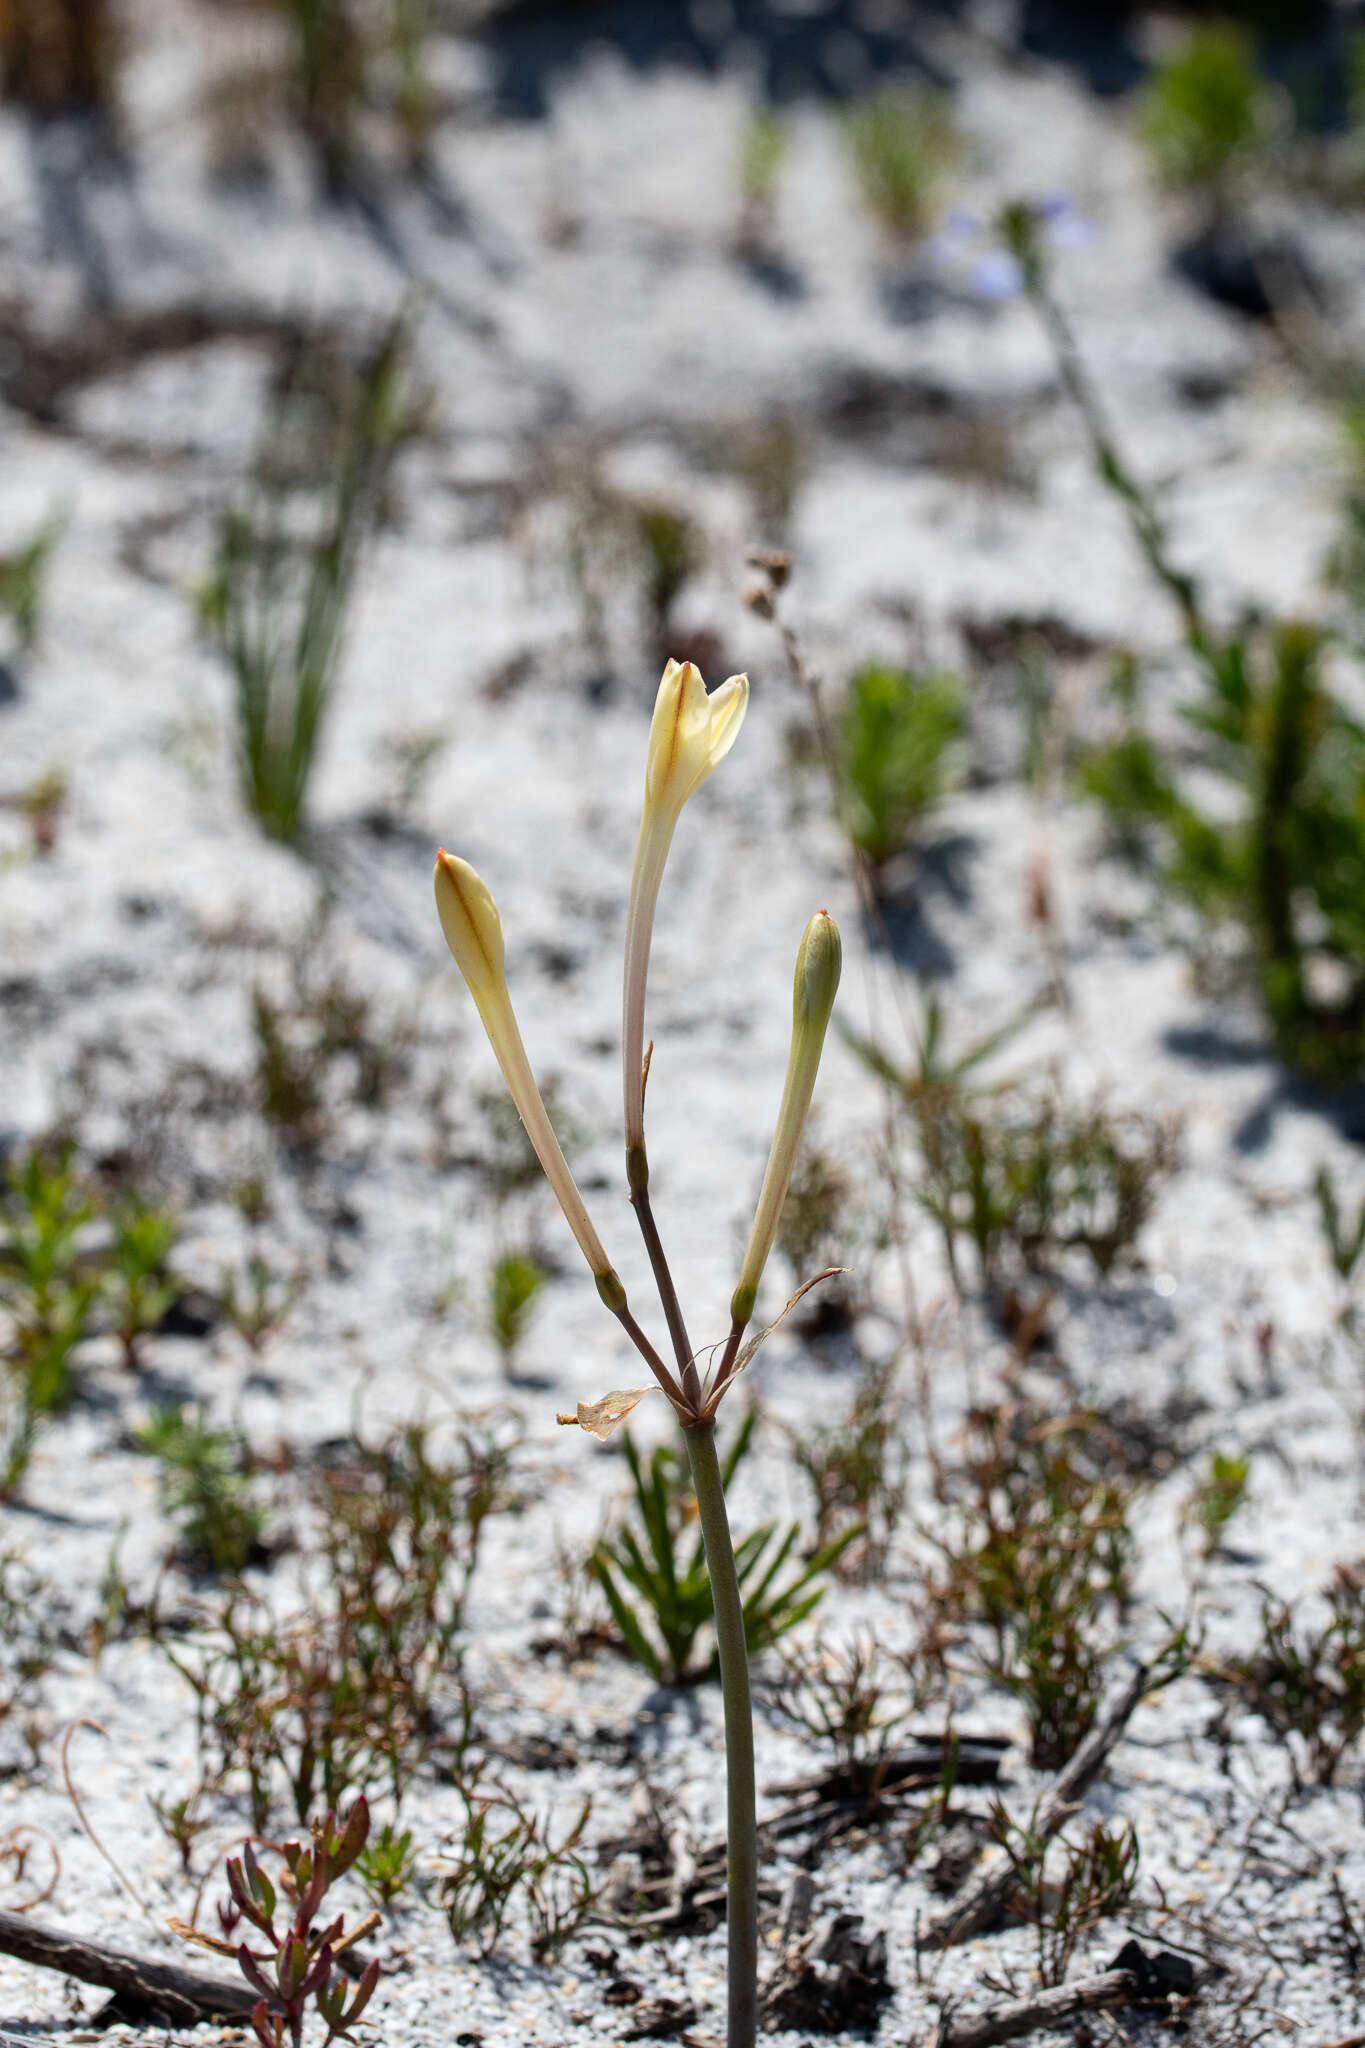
point(1025, 2015)
point(987, 1896)
point(179, 1995)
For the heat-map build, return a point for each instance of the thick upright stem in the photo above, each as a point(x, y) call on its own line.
point(741, 1802)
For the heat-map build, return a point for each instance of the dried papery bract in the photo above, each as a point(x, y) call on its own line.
point(691, 733)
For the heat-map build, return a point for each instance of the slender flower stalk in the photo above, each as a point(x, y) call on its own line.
point(741, 1798)
point(691, 733)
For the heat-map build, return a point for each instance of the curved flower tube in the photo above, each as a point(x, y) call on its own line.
point(473, 929)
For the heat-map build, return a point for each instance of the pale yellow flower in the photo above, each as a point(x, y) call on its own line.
point(473, 929)
point(817, 979)
point(690, 734)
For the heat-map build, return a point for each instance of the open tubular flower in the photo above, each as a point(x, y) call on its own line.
point(817, 980)
point(690, 735)
point(473, 929)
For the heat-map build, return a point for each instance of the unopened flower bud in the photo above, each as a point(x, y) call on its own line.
point(817, 980)
point(473, 929)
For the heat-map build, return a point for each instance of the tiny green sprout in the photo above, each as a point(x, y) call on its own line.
point(763, 146)
point(1205, 111)
point(672, 552)
point(899, 734)
point(386, 1864)
point(1220, 1494)
point(205, 1488)
point(1344, 1235)
point(138, 1279)
point(901, 144)
point(48, 1287)
point(513, 1285)
point(22, 574)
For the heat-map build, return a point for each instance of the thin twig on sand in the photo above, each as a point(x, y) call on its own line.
point(145, 1990)
point(1020, 2016)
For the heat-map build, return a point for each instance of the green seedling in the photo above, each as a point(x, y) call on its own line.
point(854, 1698)
point(507, 1154)
point(772, 461)
point(328, 77)
point(672, 552)
point(902, 144)
point(1041, 1556)
point(899, 733)
point(24, 569)
point(205, 1489)
point(1345, 566)
point(324, 1034)
point(29, 1639)
point(276, 607)
point(182, 1823)
point(1277, 872)
point(514, 1284)
point(414, 96)
point(815, 1228)
point(858, 1472)
point(763, 146)
point(138, 1283)
point(47, 1288)
point(1017, 1172)
point(1309, 1683)
point(762, 152)
point(1067, 1888)
point(675, 1591)
point(1204, 112)
point(1276, 858)
point(258, 1304)
point(1220, 1494)
point(507, 1855)
point(1344, 1235)
point(387, 1864)
point(341, 1696)
point(41, 804)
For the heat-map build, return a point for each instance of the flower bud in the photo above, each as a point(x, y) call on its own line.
point(817, 980)
point(473, 929)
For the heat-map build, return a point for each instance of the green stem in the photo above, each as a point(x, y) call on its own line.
point(741, 1802)
point(668, 1295)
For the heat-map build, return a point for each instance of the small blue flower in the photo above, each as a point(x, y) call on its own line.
point(969, 243)
point(996, 276)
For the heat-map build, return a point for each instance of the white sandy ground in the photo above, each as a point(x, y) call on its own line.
point(597, 298)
